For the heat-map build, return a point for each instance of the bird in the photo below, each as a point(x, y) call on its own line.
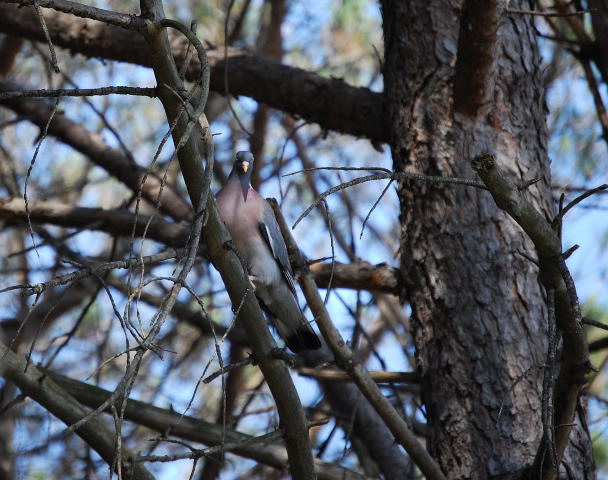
point(257, 238)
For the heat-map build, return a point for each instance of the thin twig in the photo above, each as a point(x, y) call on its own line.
point(374, 207)
point(43, 135)
point(594, 323)
point(226, 90)
point(198, 453)
point(228, 368)
point(578, 200)
point(47, 36)
point(548, 14)
point(80, 92)
point(382, 176)
point(38, 288)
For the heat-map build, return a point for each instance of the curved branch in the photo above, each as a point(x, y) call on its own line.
point(554, 275)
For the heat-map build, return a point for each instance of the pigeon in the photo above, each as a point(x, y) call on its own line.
point(258, 240)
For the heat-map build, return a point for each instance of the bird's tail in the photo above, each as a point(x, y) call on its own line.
point(298, 334)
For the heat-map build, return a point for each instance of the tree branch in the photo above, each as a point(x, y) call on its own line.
point(359, 275)
point(114, 222)
point(354, 110)
point(291, 413)
point(554, 275)
point(378, 377)
point(123, 20)
point(345, 359)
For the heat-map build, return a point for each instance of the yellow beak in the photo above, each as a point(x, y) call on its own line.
point(245, 166)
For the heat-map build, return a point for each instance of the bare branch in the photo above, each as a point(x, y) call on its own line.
point(378, 377)
point(93, 146)
point(194, 429)
point(359, 275)
point(288, 403)
point(84, 11)
point(37, 288)
point(114, 222)
point(80, 92)
point(382, 176)
point(554, 275)
point(578, 200)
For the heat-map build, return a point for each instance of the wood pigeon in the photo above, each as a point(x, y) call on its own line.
point(257, 238)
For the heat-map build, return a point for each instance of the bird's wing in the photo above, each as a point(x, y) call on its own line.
point(271, 233)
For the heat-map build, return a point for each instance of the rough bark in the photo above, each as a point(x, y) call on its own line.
point(478, 311)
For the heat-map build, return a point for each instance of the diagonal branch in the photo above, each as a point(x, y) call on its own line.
point(39, 387)
point(291, 413)
point(345, 359)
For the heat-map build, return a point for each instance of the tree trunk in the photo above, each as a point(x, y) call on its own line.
point(479, 314)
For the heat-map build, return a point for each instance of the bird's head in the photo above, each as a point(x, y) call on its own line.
point(242, 168)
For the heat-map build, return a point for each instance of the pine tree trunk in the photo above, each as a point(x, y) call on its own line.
point(479, 313)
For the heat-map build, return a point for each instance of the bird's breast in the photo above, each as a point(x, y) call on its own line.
point(242, 219)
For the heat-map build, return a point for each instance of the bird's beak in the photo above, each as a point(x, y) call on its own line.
point(245, 166)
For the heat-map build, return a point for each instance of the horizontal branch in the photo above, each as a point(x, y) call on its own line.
point(124, 20)
point(100, 153)
point(86, 271)
point(80, 92)
point(113, 221)
point(329, 102)
point(378, 377)
point(359, 275)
